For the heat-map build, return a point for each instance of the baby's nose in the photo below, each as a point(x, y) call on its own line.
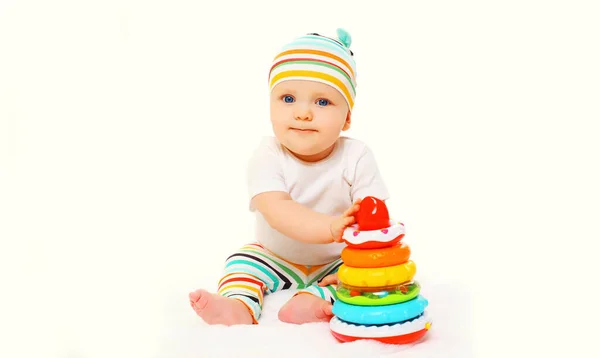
point(304, 116)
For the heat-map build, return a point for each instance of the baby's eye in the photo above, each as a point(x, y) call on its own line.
point(323, 102)
point(288, 99)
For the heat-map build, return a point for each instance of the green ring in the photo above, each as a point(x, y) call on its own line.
point(394, 297)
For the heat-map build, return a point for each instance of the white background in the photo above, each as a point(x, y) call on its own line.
point(125, 128)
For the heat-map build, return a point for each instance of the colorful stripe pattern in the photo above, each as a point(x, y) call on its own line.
point(318, 58)
point(254, 271)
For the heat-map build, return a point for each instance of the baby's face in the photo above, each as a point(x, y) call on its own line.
point(307, 117)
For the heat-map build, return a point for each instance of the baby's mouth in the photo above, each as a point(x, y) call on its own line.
point(305, 130)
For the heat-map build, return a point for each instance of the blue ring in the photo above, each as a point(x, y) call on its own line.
point(388, 314)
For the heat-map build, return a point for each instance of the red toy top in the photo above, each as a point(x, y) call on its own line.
point(372, 215)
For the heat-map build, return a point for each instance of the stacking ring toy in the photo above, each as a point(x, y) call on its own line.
point(400, 333)
point(377, 276)
point(380, 296)
point(399, 312)
point(383, 257)
point(372, 239)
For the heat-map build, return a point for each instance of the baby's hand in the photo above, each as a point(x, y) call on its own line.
point(329, 280)
point(339, 224)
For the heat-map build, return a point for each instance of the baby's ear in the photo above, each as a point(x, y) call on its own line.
point(348, 121)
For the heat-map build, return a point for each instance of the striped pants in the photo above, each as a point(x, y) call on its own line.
point(254, 271)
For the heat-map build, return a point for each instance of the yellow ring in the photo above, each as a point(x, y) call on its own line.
point(377, 276)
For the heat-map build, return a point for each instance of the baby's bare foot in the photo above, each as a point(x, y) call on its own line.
point(306, 308)
point(215, 309)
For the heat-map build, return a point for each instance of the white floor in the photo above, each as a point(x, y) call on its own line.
point(122, 312)
point(185, 336)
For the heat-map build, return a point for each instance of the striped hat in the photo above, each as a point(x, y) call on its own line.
point(318, 58)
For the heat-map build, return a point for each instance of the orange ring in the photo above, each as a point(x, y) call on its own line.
point(384, 257)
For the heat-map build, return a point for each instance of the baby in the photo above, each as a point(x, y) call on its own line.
point(305, 185)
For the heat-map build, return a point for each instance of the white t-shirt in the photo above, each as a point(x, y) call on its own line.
point(329, 186)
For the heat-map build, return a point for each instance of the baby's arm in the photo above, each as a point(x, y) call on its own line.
point(298, 221)
point(269, 195)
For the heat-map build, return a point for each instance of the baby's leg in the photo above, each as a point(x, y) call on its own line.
point(249, 273)
point(313, 303)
